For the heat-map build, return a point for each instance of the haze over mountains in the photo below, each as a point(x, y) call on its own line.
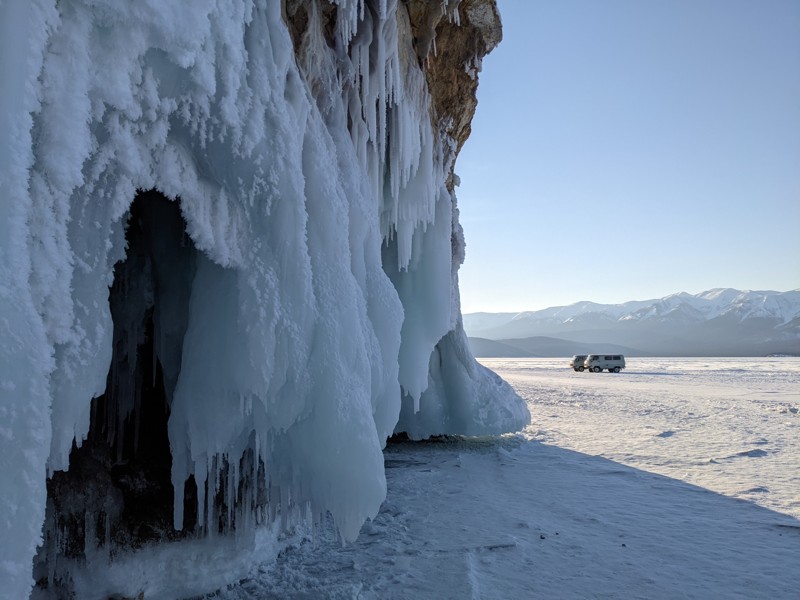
point(718, 322)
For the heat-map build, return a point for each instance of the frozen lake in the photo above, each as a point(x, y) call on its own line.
point(626, 486)
point(730, 425)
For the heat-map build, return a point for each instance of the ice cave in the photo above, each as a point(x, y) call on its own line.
point(229, 252)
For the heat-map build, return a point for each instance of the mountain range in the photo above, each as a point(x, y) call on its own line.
point(718, 322)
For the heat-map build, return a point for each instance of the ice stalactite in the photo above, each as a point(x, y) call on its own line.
point(256, 348)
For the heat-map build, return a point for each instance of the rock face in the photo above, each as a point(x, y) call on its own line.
point(450, 43)
point(449, 40)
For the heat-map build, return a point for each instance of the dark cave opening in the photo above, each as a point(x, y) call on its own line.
point(117, 494)
point(118, 490)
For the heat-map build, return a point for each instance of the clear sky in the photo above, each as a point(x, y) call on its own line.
point(630, 149)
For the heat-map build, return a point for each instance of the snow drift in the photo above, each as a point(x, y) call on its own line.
point(283, 289)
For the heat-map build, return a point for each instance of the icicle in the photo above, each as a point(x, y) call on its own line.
point(154, 365)
point(203, 493)
point(107, 537)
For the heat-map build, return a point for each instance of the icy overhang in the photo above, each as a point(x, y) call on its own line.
point(322, 313)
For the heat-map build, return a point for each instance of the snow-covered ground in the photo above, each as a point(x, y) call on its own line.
point(728, 425)
point(677, 478)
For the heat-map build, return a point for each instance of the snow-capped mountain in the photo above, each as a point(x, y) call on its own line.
point(718, 321)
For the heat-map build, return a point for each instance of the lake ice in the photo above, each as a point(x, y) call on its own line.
point(675, 478)
point(730, 425)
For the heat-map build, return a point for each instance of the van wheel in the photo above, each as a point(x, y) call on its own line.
point(597, 369)
point(616, 369)
point(579, 369)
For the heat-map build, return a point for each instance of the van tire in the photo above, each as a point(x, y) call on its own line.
point(579, 369)
point(616, 369)
point(597, 370)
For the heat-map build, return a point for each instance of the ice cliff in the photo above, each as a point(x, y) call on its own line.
point(229, 247)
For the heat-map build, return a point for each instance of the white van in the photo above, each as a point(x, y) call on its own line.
point(577, 362)
point(597, 362)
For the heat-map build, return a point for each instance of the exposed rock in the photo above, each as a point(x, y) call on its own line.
point(448, 38)
point(295, 14)
point(451, 40)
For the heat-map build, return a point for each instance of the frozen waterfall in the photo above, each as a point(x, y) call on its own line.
point(272, 218)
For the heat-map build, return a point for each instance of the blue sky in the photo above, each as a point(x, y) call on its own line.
point(629, 149)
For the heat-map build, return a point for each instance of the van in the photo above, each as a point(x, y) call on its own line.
point(597, 362)
point(577, 362)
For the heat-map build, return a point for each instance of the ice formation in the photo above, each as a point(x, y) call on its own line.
point(299, 307)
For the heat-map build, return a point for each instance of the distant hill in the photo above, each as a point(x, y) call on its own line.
point(543, 347)
point(719, 322)
point(483, 348)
